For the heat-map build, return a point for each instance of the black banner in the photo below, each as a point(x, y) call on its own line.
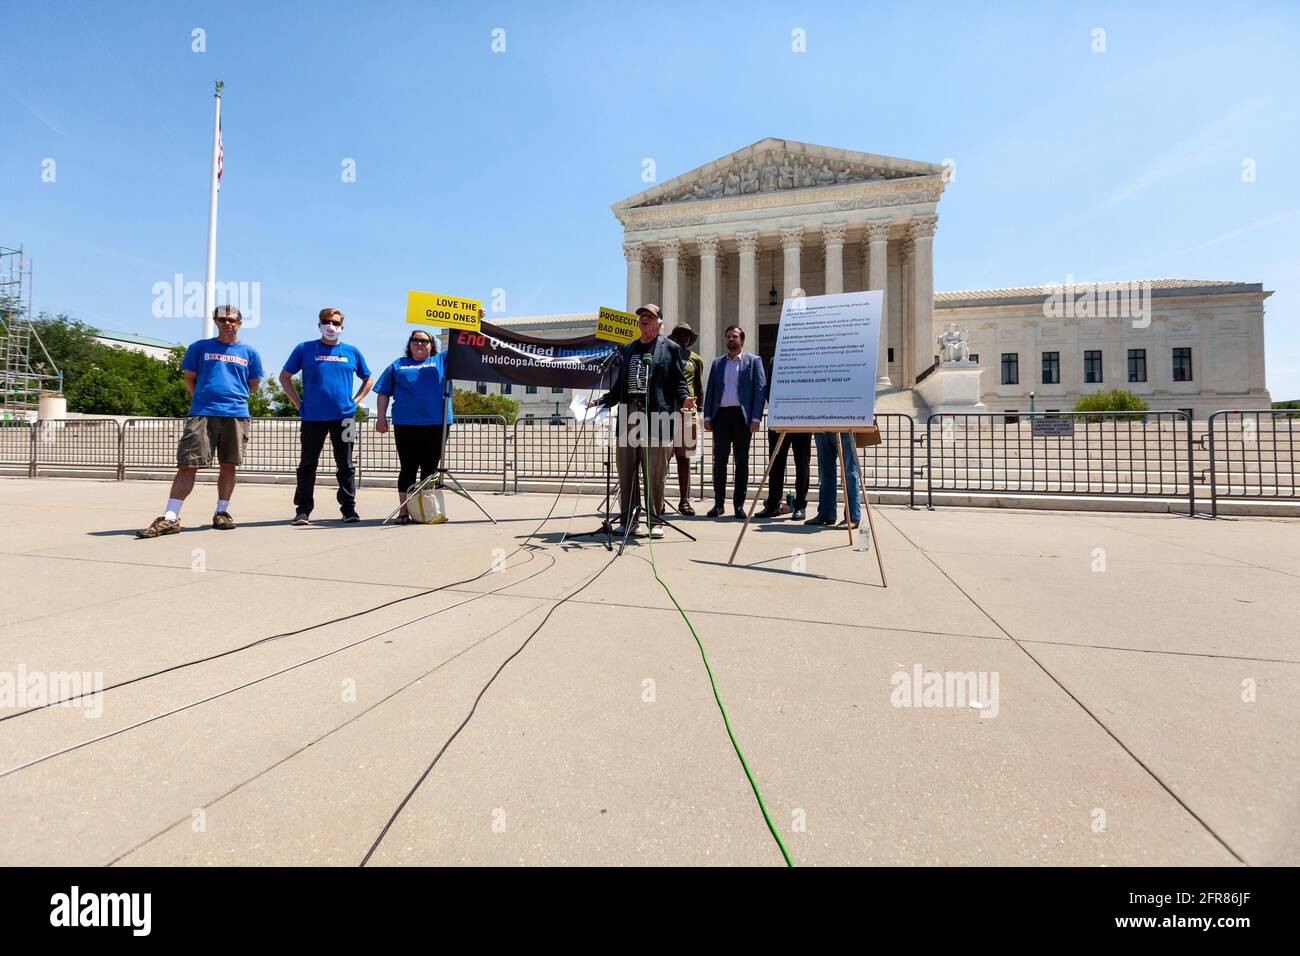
point(495, 354)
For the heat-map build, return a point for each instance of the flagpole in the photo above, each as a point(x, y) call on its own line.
point(210, 281)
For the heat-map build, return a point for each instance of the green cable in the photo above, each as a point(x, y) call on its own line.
point(705, 657)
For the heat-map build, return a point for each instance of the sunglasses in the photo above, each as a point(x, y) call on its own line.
point(419, 342)
point(331, 321)
point(229, 318)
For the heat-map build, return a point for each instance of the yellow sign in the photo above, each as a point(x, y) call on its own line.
point(615, 326)
point(453, 311)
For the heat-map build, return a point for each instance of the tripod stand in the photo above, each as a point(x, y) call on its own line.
point(441, 472)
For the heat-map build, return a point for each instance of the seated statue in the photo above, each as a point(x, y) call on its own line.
point(954, 346)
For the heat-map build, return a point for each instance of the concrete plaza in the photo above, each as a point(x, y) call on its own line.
point(1140, 677)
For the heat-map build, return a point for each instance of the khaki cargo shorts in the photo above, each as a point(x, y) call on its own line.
point(208, 435)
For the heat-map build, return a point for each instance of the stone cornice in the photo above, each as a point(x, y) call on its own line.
point(850, 197)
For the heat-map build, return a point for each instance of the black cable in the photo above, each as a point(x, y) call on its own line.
point(257, 680)
point(311, 627)
point(443, 749)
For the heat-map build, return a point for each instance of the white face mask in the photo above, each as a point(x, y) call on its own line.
point(330, 332)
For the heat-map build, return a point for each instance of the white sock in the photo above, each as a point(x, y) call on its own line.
point(223, 504)
point(173, 512)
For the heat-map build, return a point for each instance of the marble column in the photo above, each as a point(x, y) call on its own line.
point(875, 272)
point(906, 338)
point(747, 244)
point(708, 327)
point(791, 245)
point(632, 252)
point(669, 250)
point(833, 242)
point(921, 231)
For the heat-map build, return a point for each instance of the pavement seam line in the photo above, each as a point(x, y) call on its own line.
point(329, 733)
point(1054, 679)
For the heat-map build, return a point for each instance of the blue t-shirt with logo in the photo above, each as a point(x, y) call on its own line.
point(327, 374)
point(416, 388)
point(224, 371)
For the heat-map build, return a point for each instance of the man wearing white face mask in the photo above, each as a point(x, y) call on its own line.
point(327, 407)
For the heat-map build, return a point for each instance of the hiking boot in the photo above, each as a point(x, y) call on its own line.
point(351, 517)
point(223, 522)
point(301, 520)
point(159, 527)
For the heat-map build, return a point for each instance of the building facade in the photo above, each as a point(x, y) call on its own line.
point(728, 242)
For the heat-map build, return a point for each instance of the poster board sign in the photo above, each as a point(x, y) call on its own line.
point(824, 369)
point(495, 354)
point(1053, 428)
point(452, 311)
point(615, 326)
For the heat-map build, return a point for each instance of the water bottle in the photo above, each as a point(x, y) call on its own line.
point(863, 541)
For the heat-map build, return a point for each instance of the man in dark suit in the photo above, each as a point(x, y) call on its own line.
point(733, 409)
point(650, 384)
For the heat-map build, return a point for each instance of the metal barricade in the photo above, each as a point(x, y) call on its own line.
point(78, 444)
point(16, 444)
point(475, 445)
point(1253, 454)
point(1131, 454)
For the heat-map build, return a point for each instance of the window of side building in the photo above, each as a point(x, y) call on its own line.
point(1137, 365)
point(1092, 367)
point(1182, 364)
point(1051, 368)
point(1010, 368)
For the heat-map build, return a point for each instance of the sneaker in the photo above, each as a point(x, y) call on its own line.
point(798, 515)
point(223, 522)
point(159, 527)
point(300, 520)
point(657, 531)
point(715, 511)
point(350, 517)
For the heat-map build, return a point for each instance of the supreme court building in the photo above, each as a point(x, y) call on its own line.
point(729, 241)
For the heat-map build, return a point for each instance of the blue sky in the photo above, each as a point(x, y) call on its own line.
point(478, 170)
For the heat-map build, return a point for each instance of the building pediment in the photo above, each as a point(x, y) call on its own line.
point(776, 166)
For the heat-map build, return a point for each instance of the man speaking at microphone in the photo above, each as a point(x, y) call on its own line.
point(650, 384)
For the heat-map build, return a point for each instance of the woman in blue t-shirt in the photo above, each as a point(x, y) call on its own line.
point(414, 383)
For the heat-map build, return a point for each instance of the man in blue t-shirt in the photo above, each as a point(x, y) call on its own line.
point(220, 374)
point(327, 407)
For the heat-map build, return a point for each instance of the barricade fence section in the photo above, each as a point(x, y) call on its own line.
point(1145, 454)
point(16, 444)
point(1253, 454)
point(1236, 454)
point(544, 451)
point(475, 446)
point(77, 444)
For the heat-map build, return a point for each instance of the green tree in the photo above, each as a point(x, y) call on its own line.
point(99, 391)
point(1111, 400)
point(472, 403)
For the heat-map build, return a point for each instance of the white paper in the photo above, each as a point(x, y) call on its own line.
point(583, 412)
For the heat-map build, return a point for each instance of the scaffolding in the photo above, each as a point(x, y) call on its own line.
point(26, 369)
